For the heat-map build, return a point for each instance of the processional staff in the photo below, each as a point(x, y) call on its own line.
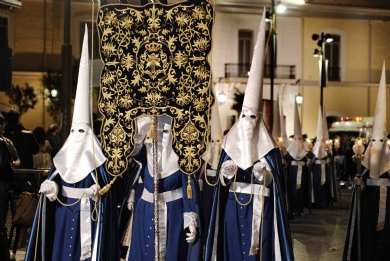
point(309, 147)
point(337, 147)
point(283, 153)
point(328, 149)
point(358, 149)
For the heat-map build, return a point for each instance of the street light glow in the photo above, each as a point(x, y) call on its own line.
point(280, 8)
point(54, 93)
point(222, 97)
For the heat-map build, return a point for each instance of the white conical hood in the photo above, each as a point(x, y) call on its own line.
point(377, 158)
point(81, 152)
point(319, 149)
point(216, 137)
point(276, 130)
point(82, 106)
point(297, 147)
point(249, 140)
point(166, 157)
point(283, 128)
point(254, 88)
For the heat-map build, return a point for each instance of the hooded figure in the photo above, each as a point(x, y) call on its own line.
point(283, 132)
point(297, 173)
point(320, 167)
point(208, 178)
point(249, 203)
point(375, 195)
point(179, 218)
point(68, 221)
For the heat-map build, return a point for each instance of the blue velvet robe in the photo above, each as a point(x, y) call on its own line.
point(125, 214)
point(206, 200)
point(375, 245)
point(234, 221)
point(321, 191)
point(298, 197)
point(62, 241)
point(177, 248)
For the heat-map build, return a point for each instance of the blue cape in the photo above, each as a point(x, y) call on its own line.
point(274, 161)
point(108, 245)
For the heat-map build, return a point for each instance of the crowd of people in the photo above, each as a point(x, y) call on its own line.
point(27, 150)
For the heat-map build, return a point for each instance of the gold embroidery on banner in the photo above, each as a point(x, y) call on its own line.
point(154, 63)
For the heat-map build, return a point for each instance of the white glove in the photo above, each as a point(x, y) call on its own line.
point(192, 235)
point(359, 182)
point(308, 162)
point(91, 192)
point(228, 169)
point(49, 189)
point(200, 184)
point(130, 201)
point(258, 170)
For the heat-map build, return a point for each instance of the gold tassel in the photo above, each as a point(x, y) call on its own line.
point(107, 187)
point(152, 132)
point(189, 187)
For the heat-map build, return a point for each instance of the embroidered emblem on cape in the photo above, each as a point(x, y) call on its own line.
point(155, 63)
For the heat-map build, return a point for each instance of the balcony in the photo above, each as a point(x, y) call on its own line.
point(242, 70)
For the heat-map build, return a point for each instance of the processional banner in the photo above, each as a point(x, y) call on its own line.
point(155, 63)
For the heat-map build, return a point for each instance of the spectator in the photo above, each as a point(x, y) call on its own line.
point(54, 140)
point(23, 140)
point(4, 253)
point(43, 159)
point(10, 145)
point(26, 146)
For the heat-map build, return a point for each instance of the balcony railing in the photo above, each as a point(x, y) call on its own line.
point(242, 70)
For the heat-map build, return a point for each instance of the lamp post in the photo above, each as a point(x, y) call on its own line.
point(322, 39)
point(358, 149)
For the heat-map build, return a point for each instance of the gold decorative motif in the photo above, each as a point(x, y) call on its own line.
point(155, 63)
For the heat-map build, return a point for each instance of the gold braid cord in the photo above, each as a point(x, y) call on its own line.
point(155, 63)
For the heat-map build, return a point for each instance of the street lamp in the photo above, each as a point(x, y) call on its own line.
point(322, 39)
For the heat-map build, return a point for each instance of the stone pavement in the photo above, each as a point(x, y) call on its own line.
point(316, 237)
point(320, 236)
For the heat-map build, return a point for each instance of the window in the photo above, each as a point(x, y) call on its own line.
point(3, 32)
point(332, 53)
point(245, 39)
point(95, 39)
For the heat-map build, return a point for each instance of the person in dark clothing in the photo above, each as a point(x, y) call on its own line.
point(4, 197)
point(26, 146)
point(23, 140)
point(54, 140)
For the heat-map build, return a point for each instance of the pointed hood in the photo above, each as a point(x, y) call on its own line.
point(82, 104)
point(377, 156)
point(283, 130)
point(276, 130)
point(249, 140)
point(214, 149)
point(297, 147)
point(319, 149)
point(166, 157)
point(81, 152)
